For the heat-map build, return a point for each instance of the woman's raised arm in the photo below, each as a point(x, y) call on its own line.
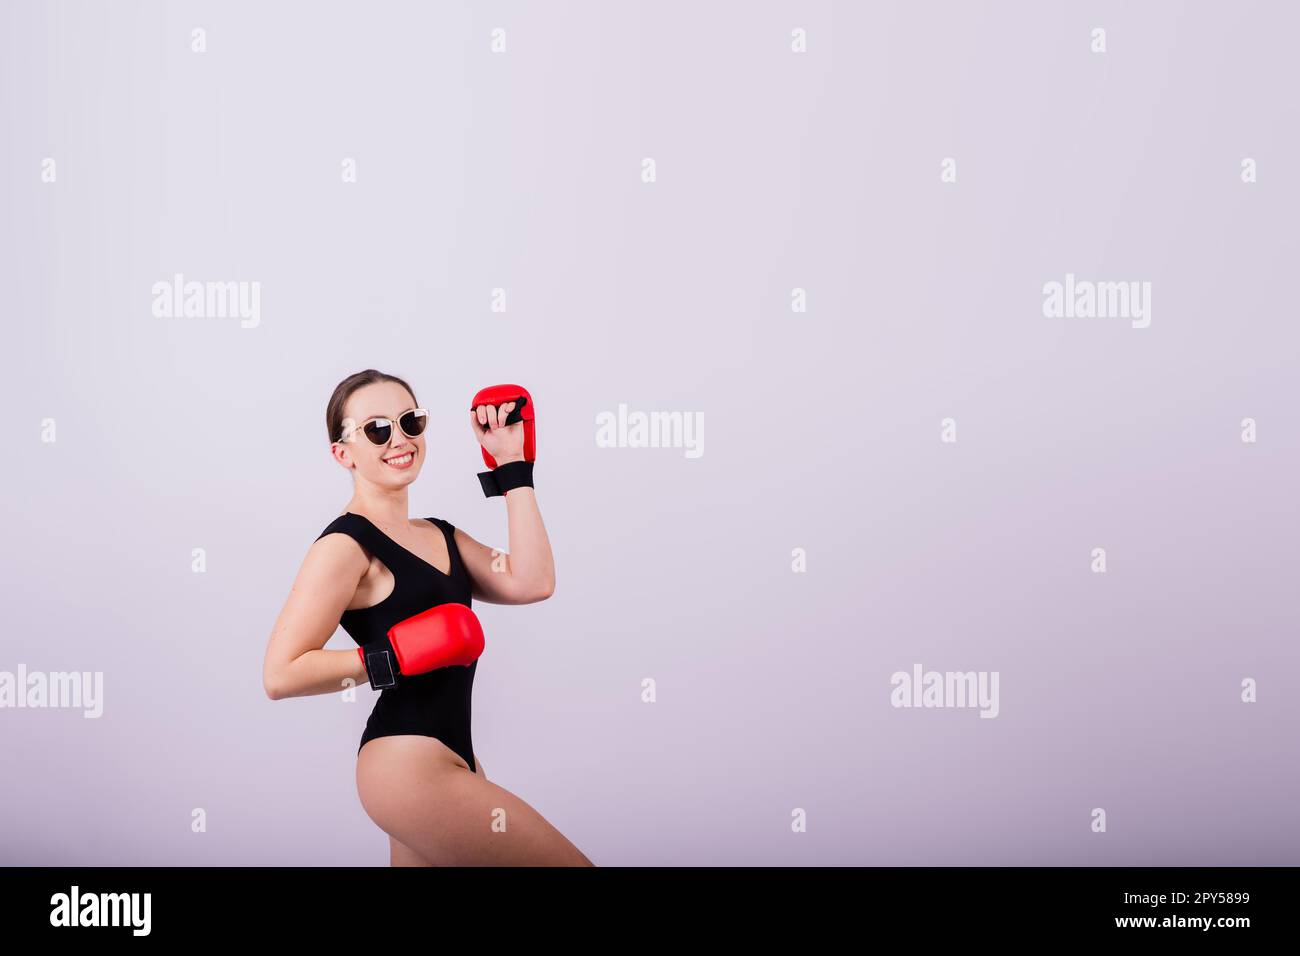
point(527, 573)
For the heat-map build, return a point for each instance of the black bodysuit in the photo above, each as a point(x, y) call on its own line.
point(436, 704)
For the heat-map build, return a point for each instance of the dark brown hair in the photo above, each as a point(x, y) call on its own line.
point(343, 391)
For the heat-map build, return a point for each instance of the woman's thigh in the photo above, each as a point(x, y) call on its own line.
point(424, 796)
point(399, 854)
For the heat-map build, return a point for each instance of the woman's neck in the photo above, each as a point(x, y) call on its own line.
point(385, 508)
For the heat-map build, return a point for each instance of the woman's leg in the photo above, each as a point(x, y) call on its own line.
point(423, 795)
point(399, 854)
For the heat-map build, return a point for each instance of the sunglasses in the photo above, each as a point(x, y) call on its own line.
point(379, 430)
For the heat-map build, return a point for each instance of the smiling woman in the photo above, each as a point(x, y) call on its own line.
point(377, 428)
point(403, 590)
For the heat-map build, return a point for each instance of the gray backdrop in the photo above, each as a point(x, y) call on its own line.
point(1170, 159)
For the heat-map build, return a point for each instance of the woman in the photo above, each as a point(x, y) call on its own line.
point(417, 774)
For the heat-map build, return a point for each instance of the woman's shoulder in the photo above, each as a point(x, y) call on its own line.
point(347, 523)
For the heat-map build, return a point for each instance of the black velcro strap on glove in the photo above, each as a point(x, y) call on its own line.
point(381, 664)
point(503, 478)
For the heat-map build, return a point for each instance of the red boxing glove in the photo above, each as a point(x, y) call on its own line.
point(523, 412)
point(439, 637)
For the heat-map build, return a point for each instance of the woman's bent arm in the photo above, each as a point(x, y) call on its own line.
point(296, 664)
point(525, 575)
